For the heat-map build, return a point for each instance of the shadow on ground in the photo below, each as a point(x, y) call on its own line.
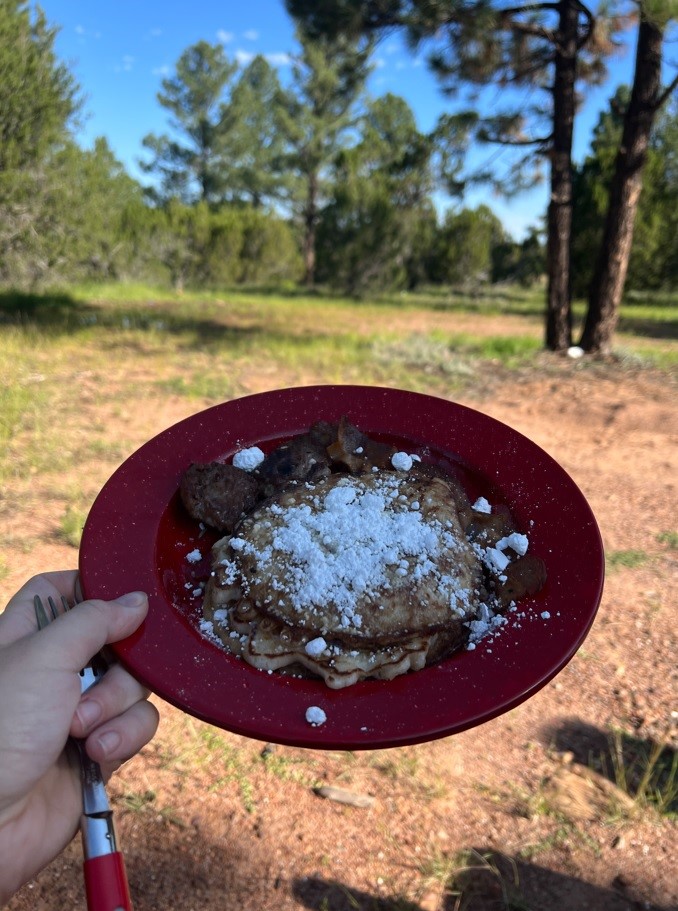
point(639, 766)
point(491, 881)
point(60, 314)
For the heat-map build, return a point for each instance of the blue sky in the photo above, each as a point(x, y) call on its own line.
point(120, 52)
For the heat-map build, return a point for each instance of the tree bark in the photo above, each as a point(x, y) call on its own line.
point(310, 228)
point(558, 308)
point(607, 284)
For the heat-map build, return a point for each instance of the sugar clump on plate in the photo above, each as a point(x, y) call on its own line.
point(403, 461)
point(315, 716)
point(248, 459)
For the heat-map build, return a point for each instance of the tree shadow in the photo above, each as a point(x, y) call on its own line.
point(488, 881)
point(59, 314)
point(47, 310)
point(330, 895)
point(169, 865)
point(648, 328)
point(642, 767)
point(494, 880)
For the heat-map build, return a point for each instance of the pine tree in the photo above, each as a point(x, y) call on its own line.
point(539, 45)
point(328, 76)
point(38, 102)
point(646, 99)
point(188, 163)
point(254, 143)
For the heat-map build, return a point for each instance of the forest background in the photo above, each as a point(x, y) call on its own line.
point(317, 182)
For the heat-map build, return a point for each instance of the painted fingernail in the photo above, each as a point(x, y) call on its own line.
point(132, 599)
point(109, 742)
point(89, 712)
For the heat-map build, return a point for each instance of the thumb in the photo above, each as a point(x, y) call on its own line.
point(74, 637)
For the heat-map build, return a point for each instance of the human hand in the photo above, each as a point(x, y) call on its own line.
point(41, 705)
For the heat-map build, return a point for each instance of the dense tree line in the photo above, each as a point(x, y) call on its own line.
point(315, 181)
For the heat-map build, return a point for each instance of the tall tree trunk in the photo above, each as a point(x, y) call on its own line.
point(607, 284)
point(558, 309)
point(310, 227)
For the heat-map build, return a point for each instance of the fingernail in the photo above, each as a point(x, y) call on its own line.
point(88, 712)
point(109, 742)
point(132, 599)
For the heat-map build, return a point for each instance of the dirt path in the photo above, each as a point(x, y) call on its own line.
point(511, 815)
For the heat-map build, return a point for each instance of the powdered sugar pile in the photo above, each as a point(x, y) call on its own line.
point(351, 544)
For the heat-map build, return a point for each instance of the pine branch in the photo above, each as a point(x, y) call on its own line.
point(518, 143)
point(665, 95)
point(538, 31)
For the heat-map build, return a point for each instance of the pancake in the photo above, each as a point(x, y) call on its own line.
point(348, 577)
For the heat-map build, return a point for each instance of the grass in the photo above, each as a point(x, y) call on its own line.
point(669, 539)
point(626, 559)
point(71, 525)
point(483, 880)
point(648, 772)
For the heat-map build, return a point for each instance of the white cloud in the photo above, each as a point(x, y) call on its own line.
point(155, 32)
point(163, 70)
point(279, 59)
point(79, 30)
point(251, 34)
point(126, 66)
point(224, 36)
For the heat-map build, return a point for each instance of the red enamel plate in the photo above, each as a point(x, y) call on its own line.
point(137, 536)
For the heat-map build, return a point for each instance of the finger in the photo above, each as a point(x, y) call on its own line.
point(122, 737)
point(69, 642)
point(18, 619)
point(116, 693)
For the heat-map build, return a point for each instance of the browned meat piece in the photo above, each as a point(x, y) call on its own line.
point(323, 433)
point(342, 450)
point(303, 458)
point(354, 450)
point(524, 576)
point(218, 494)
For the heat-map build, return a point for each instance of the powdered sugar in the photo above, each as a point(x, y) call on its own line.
point(315, 716)
point(350, 544)
point(248, 459)
point(401, 461)
point(515, 541)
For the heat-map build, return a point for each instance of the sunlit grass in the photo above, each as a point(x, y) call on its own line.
point(115, 341)
point(626, 559)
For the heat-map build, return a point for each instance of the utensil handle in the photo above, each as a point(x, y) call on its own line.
point(106, 883)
